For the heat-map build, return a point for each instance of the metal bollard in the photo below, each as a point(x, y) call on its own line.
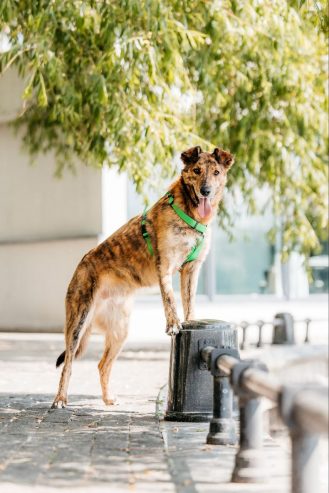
point(222, 429)
point(283, 329)
point(190, 389)
point(249, 461)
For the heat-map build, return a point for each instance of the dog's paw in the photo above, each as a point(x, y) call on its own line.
point(110, 401)
point(59, 403)
point(173, 330)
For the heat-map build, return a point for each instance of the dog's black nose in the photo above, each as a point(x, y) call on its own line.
point(205, 191)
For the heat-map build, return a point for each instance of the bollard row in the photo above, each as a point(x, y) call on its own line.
point(303, 410)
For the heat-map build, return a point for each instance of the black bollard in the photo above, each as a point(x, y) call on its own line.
point(283, 329)
point(190, 389)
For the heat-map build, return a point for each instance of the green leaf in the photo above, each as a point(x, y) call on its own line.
point(27, 94)
point(42, 94)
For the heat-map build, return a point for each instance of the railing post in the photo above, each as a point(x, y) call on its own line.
point(260, 325)
point(304, 461)
point(305, 453)
point(244, 325)
point(249, 461)
point(307, 332)
point(222, 429)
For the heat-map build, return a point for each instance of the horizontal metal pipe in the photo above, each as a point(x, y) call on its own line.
point(310, 406)
point(311, 411)
point(227, 363)
point(206, 353)
point(261, 383)
point(255, 381)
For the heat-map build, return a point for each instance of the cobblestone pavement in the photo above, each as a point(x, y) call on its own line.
point(88, 447)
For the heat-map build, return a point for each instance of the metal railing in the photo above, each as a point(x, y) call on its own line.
point(283, 330)
point(303, 409)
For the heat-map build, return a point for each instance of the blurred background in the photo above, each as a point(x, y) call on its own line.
point(103, 97)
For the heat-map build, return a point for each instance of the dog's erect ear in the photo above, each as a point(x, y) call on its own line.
point(191, 155)
point(223, 157)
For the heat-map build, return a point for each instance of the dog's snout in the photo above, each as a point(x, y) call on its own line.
point(205, 191)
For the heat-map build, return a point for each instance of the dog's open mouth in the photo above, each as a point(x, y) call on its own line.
point(204, 207)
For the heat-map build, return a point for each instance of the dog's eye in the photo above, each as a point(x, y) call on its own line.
point(216, 172)
point(197, 171)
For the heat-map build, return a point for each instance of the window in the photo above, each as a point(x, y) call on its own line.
point(243, 265)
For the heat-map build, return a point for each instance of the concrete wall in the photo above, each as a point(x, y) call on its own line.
point(34, 279)
point(11, 88)
point(35, 205)
point(46, 225)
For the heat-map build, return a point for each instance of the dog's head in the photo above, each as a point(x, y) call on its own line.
point(204, 175)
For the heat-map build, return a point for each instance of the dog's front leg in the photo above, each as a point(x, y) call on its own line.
point(188, 284)
point(167, 293)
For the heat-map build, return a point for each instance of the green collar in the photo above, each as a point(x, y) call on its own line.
point(201, 228)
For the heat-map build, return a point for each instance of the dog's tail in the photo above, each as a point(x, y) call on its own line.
point(79, 299)
point(79, 352)
point(60, 359)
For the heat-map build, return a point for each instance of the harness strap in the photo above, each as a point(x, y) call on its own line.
point(201, 228)
point(145, 234)
point(194, 253)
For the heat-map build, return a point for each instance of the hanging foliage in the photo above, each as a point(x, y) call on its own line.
point(131, 83)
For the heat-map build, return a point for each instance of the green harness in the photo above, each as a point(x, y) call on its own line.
point(201, 228)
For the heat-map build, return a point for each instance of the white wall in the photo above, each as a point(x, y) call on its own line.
point(46, 225)
point(35, 205)
point(11, 87)
point(34, 279)
point(114, 201)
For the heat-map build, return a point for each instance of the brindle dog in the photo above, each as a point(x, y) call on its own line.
point(101, 290)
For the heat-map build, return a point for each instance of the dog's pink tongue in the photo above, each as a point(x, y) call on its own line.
point(204, 207)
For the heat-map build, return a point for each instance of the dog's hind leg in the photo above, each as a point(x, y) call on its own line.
point(81, 349)
point(72, 344)
point(116, 334)
point(78, 307)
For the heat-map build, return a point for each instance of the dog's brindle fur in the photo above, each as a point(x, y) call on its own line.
point(101, 290)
